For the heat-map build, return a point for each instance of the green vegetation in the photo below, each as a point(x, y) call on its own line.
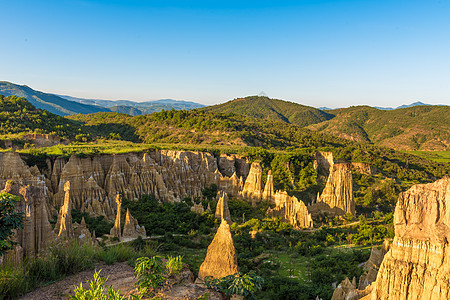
point(96, 290)
point(10, 220)
point(437, 156)
point(412, 128)
point(162, 218)
point(19, 116)
point(245, 285)
point(266, 108)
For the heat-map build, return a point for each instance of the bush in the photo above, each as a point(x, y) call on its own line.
point(174, 265)
point(96, 290)
point(149, 273)
point(237, 284)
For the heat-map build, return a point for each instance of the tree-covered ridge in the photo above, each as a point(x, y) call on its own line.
point(412, 128)
point(17, 115)
point(208, 128)
point(273, 109)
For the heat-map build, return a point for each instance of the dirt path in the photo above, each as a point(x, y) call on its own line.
point(120, 277)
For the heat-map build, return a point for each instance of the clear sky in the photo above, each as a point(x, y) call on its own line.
point(318, 53)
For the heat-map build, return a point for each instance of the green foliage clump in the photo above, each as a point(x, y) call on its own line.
point(96, 290)
point(98, 224)
point(161, 218)
point(10, 220)
point(17, 115)
point(245, 285)
point(174, 265)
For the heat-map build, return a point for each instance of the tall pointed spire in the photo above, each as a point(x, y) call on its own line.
point(115, 231)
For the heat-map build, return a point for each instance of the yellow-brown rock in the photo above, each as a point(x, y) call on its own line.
point(115, 231)
point(37, 232)
point(372, 266)
point(363, 168)
point(132, 230)
point(338, 191)
point(417, 266)
point(323, 162)
point(82, 233)
point(253, 184)
point(221, 259)
point(231, 185)
point(268, 194)
point(63, 226)
point(42, 140)
point(12, 167)
point(291, 210)
point(198, 208)
point(222, 211)
point(347, 290)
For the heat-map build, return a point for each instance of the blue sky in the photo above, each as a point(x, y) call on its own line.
point(318, 53)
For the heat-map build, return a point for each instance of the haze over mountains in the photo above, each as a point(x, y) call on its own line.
point(66, 105)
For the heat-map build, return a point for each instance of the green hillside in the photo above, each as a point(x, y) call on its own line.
point(17, 115)
point(50, 102)
point(412, 128)
point(273, 109)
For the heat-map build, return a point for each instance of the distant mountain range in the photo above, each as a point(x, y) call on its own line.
point(50, 102)
point(135, 108)
point(66, 105)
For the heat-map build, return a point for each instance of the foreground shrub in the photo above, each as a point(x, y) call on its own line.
point(149, 273)
point(174, 265)
point(96, 290)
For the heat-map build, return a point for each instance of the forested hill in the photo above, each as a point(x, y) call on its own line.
point(412, 128)
point(17, 115)
point(266, 108)
point(50, 102)
point(423, 127)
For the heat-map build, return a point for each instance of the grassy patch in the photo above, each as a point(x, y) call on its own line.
point(437, 156)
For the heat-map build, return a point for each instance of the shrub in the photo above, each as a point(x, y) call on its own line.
point(174, 265)
point(148, 272)
point(96, 290)
point(237, 284)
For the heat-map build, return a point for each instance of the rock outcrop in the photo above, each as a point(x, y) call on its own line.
point(115, 231)
point(131, 229)
point(417, 266)
point(323, 162)
point(42, 140)
point(198, 208)
point(63, 226)
point(253, 187)
point(82, 233)
point(221, 259)
point(291, 210)
point(268, 194)
point(37, 232)
point(13, 167)
point(338, 191)
point(222, 211)
point(372, 266)
point(347, 290)
point(363, 168)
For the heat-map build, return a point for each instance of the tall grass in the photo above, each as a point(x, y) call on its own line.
point(60, 260)
point(56, 262)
